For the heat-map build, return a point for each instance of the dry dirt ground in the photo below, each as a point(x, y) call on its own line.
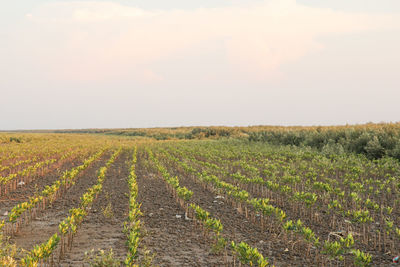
point(46, 222)
point(173, 239)
point(22, 193)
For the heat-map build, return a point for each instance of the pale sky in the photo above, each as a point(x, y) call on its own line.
point(149, 63)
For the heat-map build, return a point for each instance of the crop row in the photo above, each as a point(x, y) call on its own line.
point(132, 225)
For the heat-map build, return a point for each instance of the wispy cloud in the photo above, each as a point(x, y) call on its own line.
point(103, 39)
point(103, 64)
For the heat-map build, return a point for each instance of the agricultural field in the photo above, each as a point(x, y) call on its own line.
point(73, 199)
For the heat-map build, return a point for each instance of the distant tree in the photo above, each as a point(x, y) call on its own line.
point(374, 149)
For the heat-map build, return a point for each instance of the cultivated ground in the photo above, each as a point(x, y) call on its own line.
point(168, 235)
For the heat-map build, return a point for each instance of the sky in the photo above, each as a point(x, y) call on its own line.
point(156, 63)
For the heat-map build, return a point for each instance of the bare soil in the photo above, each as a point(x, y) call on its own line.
point(22, 193)
point(46, 223)
point(238, 228)
point(173, 240)
point(102, 229)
